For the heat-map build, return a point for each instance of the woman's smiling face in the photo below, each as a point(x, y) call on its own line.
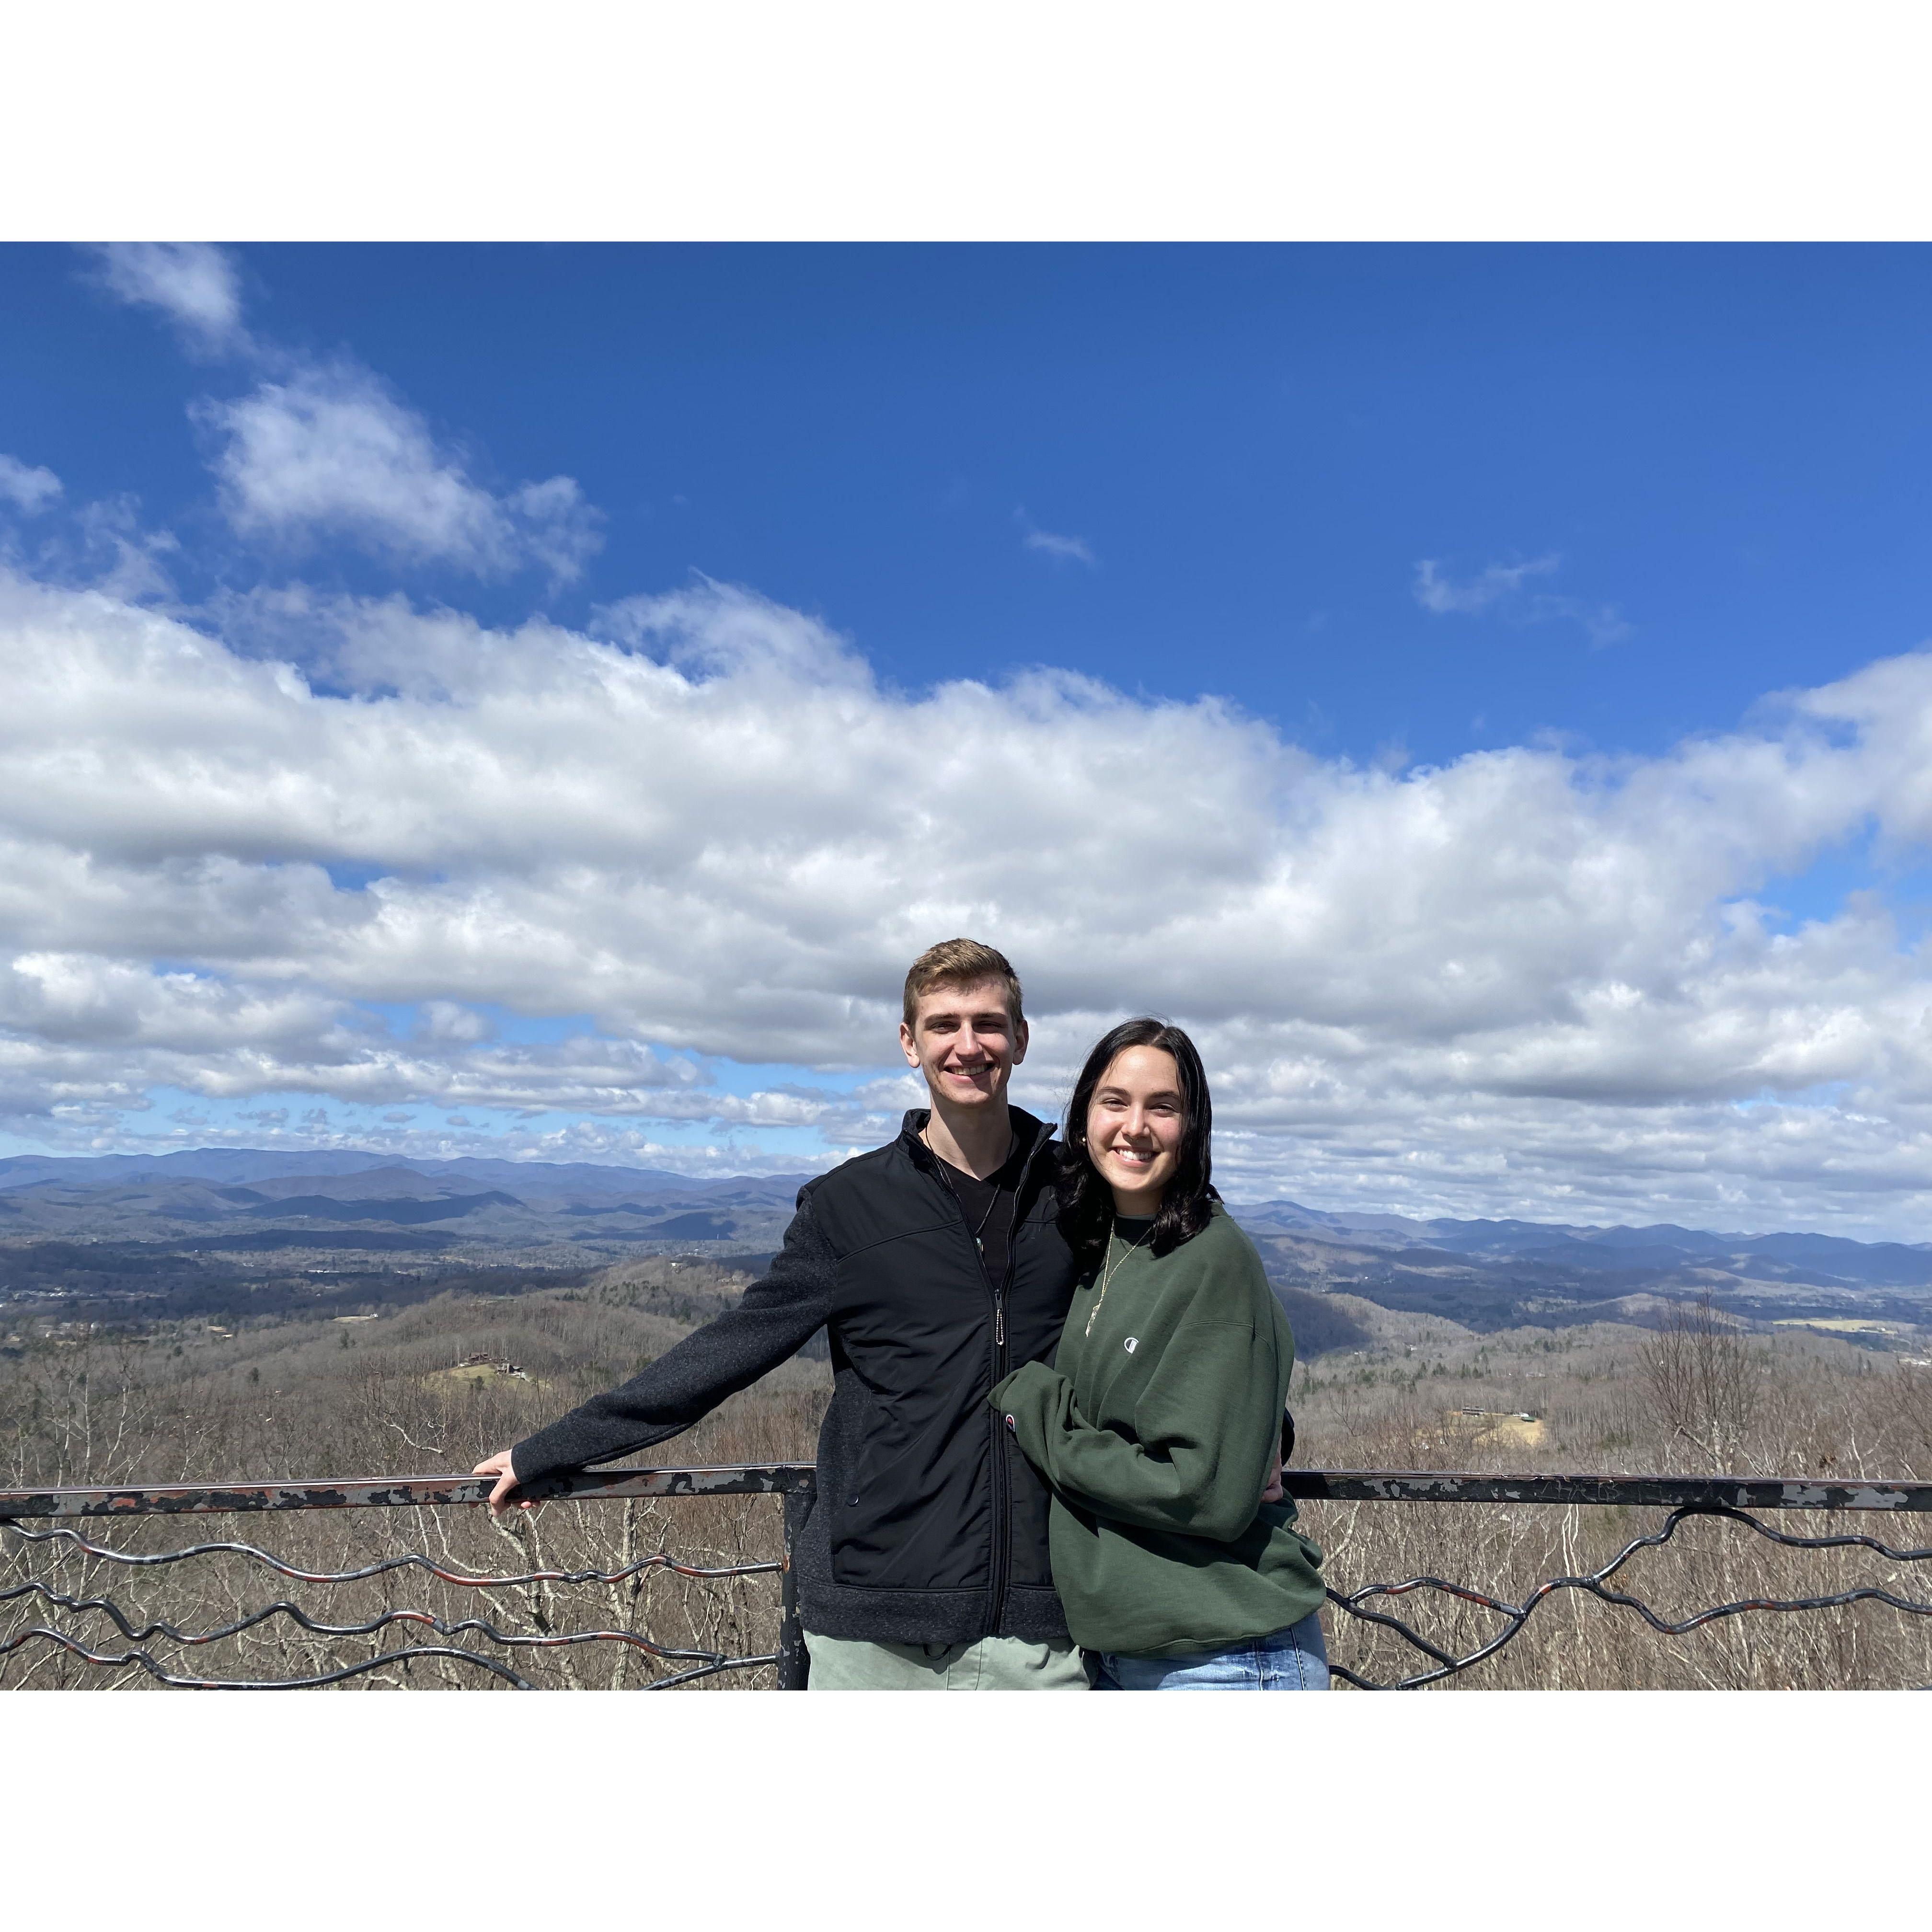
point(1134, 1125)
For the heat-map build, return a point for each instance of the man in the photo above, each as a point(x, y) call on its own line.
point(937, 1266)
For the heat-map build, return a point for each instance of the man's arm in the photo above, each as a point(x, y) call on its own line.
point(776, 1317)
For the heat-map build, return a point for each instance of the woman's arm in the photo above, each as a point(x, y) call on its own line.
point(1207, 1432)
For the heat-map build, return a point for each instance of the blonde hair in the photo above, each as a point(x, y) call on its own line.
point(960, 962)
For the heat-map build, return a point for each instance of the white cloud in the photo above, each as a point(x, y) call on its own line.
point(1049, 543)
point(194, 284)
point(118, 553)
point(331, 452)
point(1525, 981)
point(103, 544)
point(1505, 589)
point(1435, 591)
point(25, 487)
point(444, 1020)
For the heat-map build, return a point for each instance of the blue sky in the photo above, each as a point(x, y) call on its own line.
point(1722, 446)
point(1354, 539)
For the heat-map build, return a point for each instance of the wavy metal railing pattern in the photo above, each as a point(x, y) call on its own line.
point(479, 1644)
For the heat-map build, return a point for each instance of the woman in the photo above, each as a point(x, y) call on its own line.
point(1159, 1426)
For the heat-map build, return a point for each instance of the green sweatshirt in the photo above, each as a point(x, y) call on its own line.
point(1156, 1434)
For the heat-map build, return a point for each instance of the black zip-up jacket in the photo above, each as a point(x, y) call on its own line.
point(928, 1525)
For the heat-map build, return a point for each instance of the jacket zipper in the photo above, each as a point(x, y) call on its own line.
point(1002, 1501)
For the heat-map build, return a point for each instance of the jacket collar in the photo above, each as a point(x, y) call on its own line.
point(1029, 1132)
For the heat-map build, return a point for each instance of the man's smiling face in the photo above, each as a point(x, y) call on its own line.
point(965, 1042)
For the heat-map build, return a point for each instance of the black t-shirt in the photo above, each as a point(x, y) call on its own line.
point(991, 1206)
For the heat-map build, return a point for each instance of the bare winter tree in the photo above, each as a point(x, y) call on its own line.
point(405, 1395)
point(1911, 1415)
point(1702, 1378)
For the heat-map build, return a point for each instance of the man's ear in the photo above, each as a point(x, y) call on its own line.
point(1020, 1037)
point(906, 1046)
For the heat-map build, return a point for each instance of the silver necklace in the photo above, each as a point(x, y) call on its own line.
point(980, 1232)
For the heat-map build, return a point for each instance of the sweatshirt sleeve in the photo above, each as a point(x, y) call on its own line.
point(777, 1315)
point(1206, 1430)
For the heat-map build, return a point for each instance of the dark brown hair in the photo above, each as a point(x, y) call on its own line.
point(1086, 1201)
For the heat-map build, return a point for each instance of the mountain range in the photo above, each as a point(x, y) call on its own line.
point(248, 1205)
point(243, 1200)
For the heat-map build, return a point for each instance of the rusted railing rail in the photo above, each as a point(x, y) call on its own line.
point(46, 1518)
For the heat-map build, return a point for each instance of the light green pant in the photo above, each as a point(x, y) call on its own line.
point(993, 1663)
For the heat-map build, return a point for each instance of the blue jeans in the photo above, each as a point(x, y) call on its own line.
point(1294, 1659)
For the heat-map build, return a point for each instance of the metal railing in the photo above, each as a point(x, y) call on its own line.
point(44, 1521)
point(1729, 1498)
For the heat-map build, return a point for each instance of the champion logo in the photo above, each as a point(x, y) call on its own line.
point(1133, 1342)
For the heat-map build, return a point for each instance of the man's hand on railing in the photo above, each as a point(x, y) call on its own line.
point(1273, 1492)
point(499, 1466)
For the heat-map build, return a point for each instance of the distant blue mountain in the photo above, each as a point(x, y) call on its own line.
point(321, 1207)
point(240, 1165)
point(1441, 1264)
point(229, 1164)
